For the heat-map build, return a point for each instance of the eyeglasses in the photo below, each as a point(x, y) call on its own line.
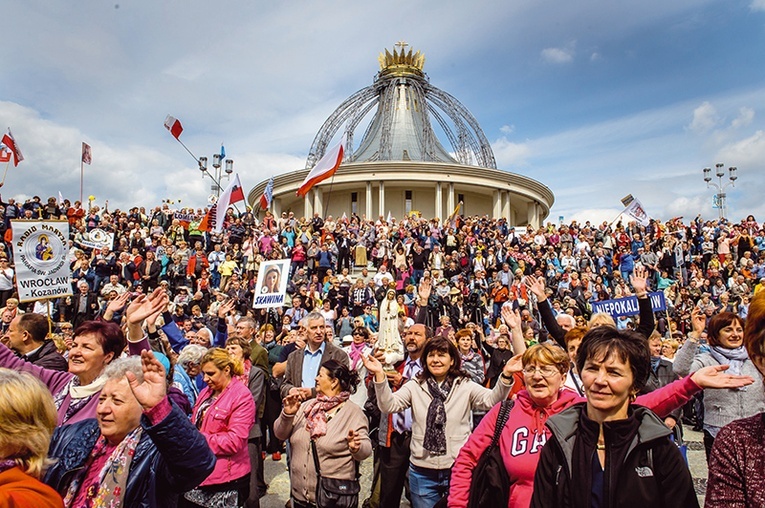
point(544, 371)
point(358, 333)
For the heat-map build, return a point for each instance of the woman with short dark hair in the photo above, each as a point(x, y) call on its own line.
point(607, 451)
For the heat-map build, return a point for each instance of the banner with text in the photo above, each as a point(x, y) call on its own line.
point(97, 238)
point(40, 256)
point(271, 286)
point(628, 306)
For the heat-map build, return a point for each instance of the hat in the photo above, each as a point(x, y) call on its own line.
point(347, 339)
point(454, 291)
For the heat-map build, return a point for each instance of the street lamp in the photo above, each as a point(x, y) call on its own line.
point(720, 197)
point(216, 175)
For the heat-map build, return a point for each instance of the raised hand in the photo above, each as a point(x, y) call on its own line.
point(512, 318)
point(639, 281)
point(354, 441)
point(537, 286)
point(226, 308)
point(291, 404)
point(513, 365)
point(714, 376)
point(698, 321)
point(153, 388)
point(144, 306)
point(374, 367)
point(118, 303)
point(424, 289)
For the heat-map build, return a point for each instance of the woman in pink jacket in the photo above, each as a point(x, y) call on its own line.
point(544, 373)
point(223, 413)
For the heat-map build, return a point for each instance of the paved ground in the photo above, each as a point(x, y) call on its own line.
point(279, 485)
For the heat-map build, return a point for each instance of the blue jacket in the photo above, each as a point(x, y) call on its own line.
point(172, 457)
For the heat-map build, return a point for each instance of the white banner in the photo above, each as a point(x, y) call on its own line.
point(40, 256)
point(271, 286)
point(97, 239)
point(637, 212)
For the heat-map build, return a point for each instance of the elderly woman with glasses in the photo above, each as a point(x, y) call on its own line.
point(545, 368)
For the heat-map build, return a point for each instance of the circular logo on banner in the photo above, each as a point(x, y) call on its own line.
point(42, 250)
point(98, 236)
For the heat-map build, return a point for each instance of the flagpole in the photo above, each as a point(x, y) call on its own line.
point(6, 172)
point(82, 172)
point(187, 149)
point(329, 194)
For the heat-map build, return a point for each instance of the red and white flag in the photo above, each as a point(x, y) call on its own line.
point(5, 154)
point(213, 221)
point(10, 144)
point(174, 126)
point(87, 155)
point(268, 195)
point(323, 169)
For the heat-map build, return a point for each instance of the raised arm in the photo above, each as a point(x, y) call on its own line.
point(537, 286)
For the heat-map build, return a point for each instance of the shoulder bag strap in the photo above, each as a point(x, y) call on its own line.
point(502, 417)
point(315, 458)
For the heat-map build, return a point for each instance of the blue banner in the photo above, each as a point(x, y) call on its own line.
point(629, 306)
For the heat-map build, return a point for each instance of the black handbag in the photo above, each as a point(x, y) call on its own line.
point(490, 485)
point(332, 492)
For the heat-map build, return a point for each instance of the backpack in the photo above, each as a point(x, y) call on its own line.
point(490, 485)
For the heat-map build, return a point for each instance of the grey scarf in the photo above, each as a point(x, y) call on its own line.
point(733, 357)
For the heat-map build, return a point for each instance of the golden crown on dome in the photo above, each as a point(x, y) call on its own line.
point(401, 62)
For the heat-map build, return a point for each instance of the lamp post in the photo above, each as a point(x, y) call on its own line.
point(720, 197)
point(216, 175)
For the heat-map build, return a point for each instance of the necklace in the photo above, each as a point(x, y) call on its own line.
point(600, 446)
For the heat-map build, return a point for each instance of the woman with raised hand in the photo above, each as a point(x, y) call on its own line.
point(725, 335)
point(332, 422)
point(441, 398)
point(141, 450)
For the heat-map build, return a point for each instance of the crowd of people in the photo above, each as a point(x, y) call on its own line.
point(156, 383)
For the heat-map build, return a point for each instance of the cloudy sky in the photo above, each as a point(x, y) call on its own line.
point(595, 99)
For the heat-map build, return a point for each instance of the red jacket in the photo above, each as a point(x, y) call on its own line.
point(19, 489)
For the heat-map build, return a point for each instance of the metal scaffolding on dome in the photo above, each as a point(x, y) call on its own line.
point(401, 128)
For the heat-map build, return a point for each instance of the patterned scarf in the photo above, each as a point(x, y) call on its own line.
point(316, 412)
point(110, 489)
point(355, 353)
point(435, 428)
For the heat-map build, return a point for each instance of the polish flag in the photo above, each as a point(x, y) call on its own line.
point(323, 169)
point(5, 154)
point(174, 126)
point(10, 144)
point(213, 221)
point(268, 195)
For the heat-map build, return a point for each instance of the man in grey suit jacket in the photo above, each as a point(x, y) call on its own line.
point(303, 364)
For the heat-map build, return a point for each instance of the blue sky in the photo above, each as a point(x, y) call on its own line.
point(595, 99)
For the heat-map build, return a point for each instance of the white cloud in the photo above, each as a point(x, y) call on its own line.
point(509, 154)
point(744, 118)
point(757, 5)
point(704, 118)
point(507, 129)
point(558, 55)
